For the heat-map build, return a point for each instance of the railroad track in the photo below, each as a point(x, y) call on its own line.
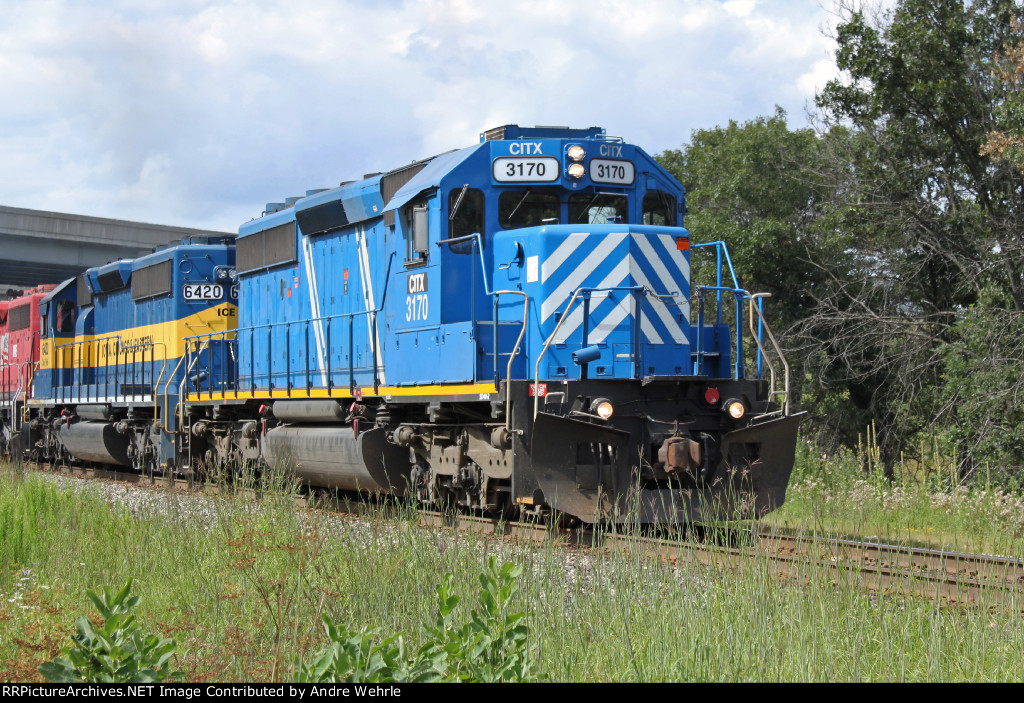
point(956, 578)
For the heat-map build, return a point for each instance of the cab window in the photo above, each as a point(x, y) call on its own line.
point(465, 217)
point(525, 208)
point(416, 220)
point(659, 209)
point(598, 209)
point(66, 317)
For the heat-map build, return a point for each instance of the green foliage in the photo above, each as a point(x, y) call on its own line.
point(985, 392)
point(752, 185)
point(364, 657)
point(933, 226)
point(491, 647)
point(119, 650)
point(1005, 142)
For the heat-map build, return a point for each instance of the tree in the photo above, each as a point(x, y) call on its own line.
point(1006, 141)
point(754, 185)
point(939, 249)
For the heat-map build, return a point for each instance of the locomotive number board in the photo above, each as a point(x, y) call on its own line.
point(612, 171)
point(202, 291)
point(526, 169)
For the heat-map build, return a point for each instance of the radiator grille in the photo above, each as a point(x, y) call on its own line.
point(392, 182)
point(20, 317)
point(110, 281)
point(270, 247)
point(152, 280)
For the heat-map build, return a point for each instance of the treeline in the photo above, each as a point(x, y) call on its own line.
point(890, 233)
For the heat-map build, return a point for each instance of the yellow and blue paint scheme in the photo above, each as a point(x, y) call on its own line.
point(124, 346)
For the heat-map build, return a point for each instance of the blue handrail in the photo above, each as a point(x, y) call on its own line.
point(722, 257)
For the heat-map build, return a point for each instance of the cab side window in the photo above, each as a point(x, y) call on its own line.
point(659, 209)
point(465, 217)
point(66, 317)
point(417, 219)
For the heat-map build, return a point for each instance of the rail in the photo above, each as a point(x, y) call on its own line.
point(9, 375)
point(20, 373)
point(227, 343)
point(32, 368)
point(478, 245)
point(739, 368)
point(723, 264)
point(134, 369)
point(763, 327)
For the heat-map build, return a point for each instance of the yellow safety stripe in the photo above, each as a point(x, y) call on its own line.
point(466, 389)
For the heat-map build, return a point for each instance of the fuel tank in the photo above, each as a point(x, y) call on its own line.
point(331, 457)
point(95, 441)
point(313, 411)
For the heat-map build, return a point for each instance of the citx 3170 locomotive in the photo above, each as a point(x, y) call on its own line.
point(507, 327)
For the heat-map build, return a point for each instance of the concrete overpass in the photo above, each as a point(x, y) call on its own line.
point(37, 246)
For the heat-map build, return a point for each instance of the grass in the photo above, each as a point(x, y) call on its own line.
point(924, 503)
point(241, 585)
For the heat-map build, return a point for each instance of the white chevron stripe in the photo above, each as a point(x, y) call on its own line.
point(623, 310)
point(671, 285)
point(647, 327)
point(620, 312)
point(575, 318)
point(660, 309)
point(559, 255)
point(576, 278)
point(368, 297)
point(676, 256)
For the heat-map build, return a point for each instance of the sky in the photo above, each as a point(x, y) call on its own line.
point(196, 113)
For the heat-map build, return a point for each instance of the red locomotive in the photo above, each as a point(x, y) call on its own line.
point(19, 354)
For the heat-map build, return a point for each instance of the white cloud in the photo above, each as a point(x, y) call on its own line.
point(197, 112)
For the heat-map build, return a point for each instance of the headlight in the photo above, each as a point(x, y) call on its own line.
point(222, 274)
point(603, 408)
point(576, 171)
point(735, 408)
point(232, 273)
point(576, 152)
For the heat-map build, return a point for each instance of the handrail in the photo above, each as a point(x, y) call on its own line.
point(25, 416)
point(81, 360)
point(496, 295)
point(181, 391)
point(12, 400)
point(739, 368)
point(306, 321)
point(721, 251)
point(778, 350)
point(515, 351)
point(21, 389)
point(551, 337)
point(156, 384)
point(167, 393)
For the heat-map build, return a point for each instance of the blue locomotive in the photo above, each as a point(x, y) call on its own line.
point(507, 327)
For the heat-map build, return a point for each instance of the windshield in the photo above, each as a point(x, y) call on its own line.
point(598, 209)
point(527, 209)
